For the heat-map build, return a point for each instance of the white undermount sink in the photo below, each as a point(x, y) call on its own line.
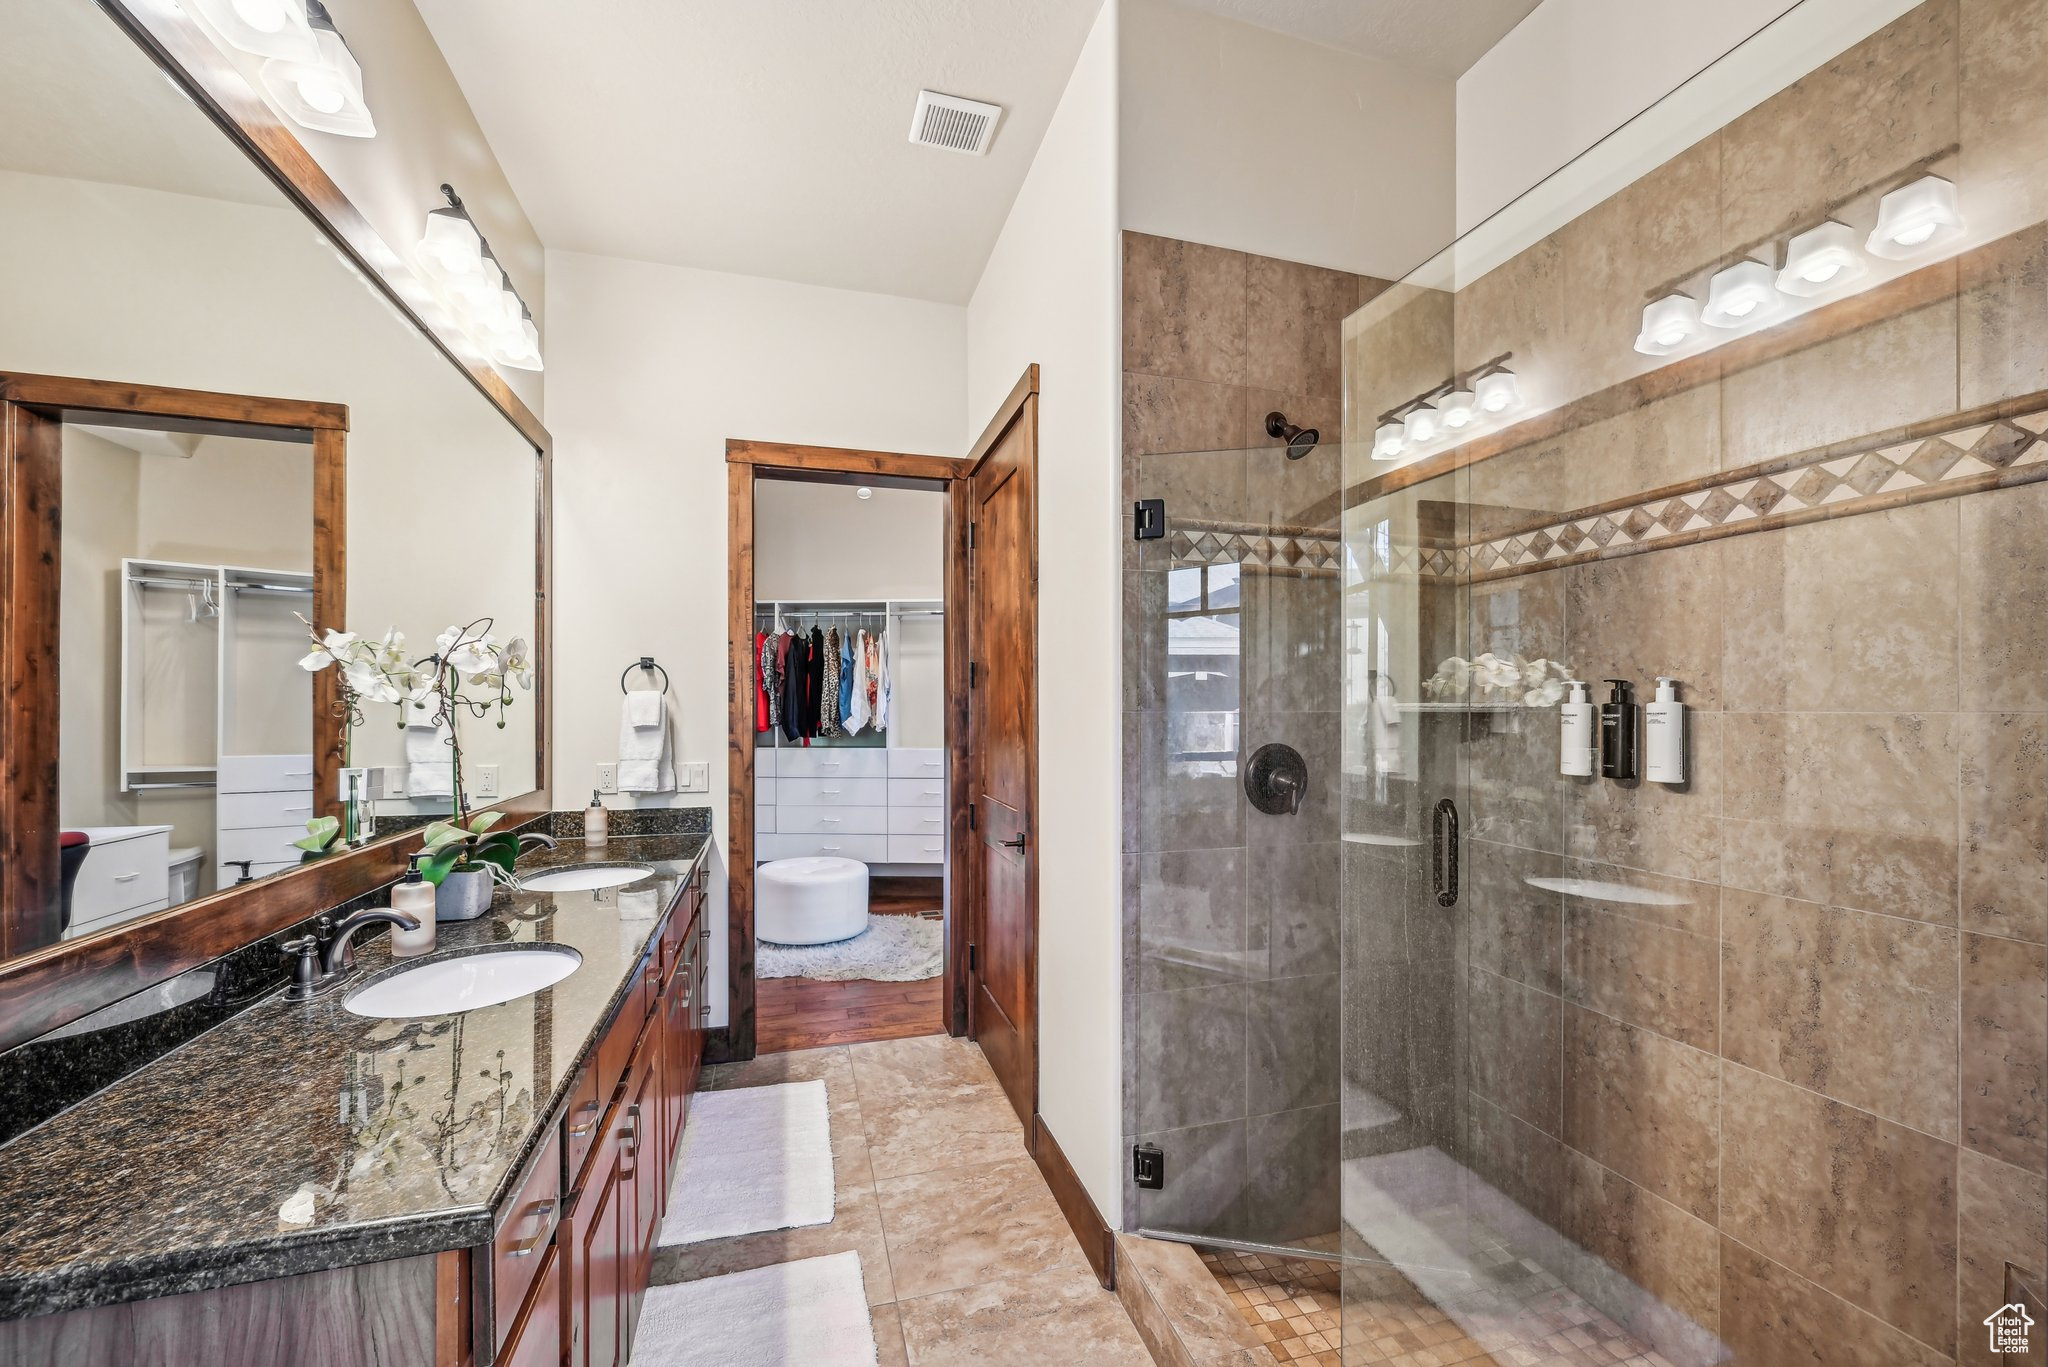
point(584, 880)
point(445, 987)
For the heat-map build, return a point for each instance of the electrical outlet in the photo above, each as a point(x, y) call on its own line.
point(696, 778)
point(608, 778)
point(487, 780)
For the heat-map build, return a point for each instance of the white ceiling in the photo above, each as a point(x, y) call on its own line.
point(765, 137)
point(1439, 37)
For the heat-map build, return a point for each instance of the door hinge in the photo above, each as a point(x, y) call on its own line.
point(1148, 1166)
point(1148, 519)
point(973, 819)
point(973, 674)
point(973, 957)
point(970, 536)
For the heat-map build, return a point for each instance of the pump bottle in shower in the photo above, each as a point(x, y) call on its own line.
point(1664, 735)
point(1618, 731)
point(1575, 745)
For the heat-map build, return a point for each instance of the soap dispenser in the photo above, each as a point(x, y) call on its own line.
point(1618, 731)
point(1575, 747)
point(414, 896)
point(596, 821)
point(1664, 735)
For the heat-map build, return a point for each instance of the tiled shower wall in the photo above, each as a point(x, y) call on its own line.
point(1231, 915)
point(1802, 1100)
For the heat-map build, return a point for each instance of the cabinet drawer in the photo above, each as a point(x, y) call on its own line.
point(764, 762)
point(616, 1049)
point(526, 1230)
point(112, 918)
point(580, 1124)
point(265, 773)
point(254, 811)
point(831, 820)
point(764, 792)
point(917, 792)
point(917, 763)
point(122, 875)
point(764, 819)
point(536, 1339)
point(917, 849)
point(917, 820)
point(831, 792)
point(819, 761)
point(264, 845)
point(869, 849)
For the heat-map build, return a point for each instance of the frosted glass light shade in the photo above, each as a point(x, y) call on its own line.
point(1457, 408)
point(1821, 259)
point(1497, 392)
point(262, 28)
point(1420, 425)
point(521, 348)
point(1742, 295)
point(1668, 324)
point(326, 94)
point(1915, 219)
point(1389, 441)
point(450, 247)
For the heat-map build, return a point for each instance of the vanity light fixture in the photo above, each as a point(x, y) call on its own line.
point(324, 93)
point(457, 260)
point(1916, 218)
point(1420, 426)
point(262, 28)
point(1389, 441)
point(1497, 391)
point(1820, 259)
point(1668, 324)
point(1457, 409)
point(1742, 295)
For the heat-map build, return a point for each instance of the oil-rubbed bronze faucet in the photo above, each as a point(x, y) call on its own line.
point(314, 969)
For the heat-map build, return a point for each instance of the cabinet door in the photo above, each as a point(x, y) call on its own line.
point(676, 1020)
point(536, 1341)
point(596, 1273)
point(641, 1173)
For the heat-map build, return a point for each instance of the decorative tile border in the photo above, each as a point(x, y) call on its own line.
point(1193, 542)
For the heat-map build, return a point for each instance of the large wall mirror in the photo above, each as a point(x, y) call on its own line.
point(366, 484)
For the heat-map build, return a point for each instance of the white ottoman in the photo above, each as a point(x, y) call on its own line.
point(810, 901)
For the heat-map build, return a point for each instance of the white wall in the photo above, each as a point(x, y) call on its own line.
point(1574, 71)
point(1049, 295)
point(652, 368)
point(819, 541)
point(1241, 137)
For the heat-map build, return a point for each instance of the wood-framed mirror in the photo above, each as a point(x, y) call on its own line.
point(217, 419)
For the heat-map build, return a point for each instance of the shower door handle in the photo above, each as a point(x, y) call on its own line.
point(1443, 855)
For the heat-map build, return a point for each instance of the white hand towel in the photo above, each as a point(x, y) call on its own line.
point(643, 708)
point(429, 766)
point(1386, 736)
point(646, 764)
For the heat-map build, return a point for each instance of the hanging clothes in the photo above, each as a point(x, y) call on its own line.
point(828, 698)
point(881, 685)
point(763, 715)
point(855, 677)
point(790, 665)
point(814, 684)
point(846, 676)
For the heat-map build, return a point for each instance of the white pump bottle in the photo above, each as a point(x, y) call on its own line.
point(1576, 746)
point(1664, 735)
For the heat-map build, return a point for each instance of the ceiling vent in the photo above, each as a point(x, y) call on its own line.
point(953, 123)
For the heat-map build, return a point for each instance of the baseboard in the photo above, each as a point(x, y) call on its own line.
point(1097, 1239)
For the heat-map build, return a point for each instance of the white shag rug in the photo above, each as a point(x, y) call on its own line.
point(753, 1159)
point(809, 1313)
point(893, 949)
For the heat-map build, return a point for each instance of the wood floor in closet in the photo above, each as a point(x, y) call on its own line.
point(802, 1013)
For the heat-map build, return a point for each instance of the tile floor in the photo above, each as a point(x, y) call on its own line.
point(966, 1257)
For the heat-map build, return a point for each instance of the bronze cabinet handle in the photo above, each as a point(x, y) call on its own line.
point(579, 1131)
point(544, 1210)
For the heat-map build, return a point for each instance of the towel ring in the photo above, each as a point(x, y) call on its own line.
point(644, 662)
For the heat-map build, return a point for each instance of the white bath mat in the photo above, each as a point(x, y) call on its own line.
point(812, 1313)
point(893, 949)
point(754, 1159)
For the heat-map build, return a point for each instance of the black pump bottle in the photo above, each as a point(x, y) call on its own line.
point(1619, 716)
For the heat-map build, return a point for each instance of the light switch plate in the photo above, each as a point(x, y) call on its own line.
point(608, 778)
point(696, 777)
point(394, 780)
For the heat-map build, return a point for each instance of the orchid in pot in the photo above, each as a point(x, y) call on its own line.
point(471, 674)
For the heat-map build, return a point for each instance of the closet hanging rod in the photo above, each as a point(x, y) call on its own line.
point(271, 588)
point(164, 582)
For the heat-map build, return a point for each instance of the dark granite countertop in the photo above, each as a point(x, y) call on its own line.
point(405, 1133)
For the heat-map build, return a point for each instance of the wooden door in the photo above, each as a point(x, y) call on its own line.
point(1002, 749)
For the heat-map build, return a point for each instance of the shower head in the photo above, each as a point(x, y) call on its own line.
point(1300, 440)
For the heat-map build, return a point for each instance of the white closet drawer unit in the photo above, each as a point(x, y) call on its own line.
point(124, 868)
point(917, 763)
point(820, 761)
point(831, 820)
point(869, 849)
point(111, 919)
point(265, 773)
point(252, 811)
point(917, 849)
point(263, 844)
point(917, 820)
point(764, 790)
point(764, 819)
point(764, 761)
point(917, 792)
point(831, 792)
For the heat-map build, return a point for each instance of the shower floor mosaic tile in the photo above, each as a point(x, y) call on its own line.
point(1298, 1309)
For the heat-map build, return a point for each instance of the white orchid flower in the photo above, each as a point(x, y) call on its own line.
point(519, 662)
point(316, 660)
point(1491, 671)
point(338, 643)
point(370, 682)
